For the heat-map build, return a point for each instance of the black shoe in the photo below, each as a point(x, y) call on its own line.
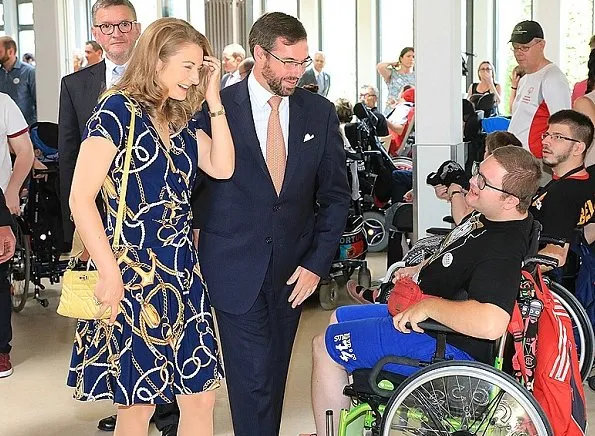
point(108, 424)
point(170, 430)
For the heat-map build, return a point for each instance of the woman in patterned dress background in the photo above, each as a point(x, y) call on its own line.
point(396, 75)
point(159, 343)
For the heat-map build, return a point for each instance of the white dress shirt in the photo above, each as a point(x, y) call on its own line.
point(233, 78)
point(109, 69)
point(259, 100)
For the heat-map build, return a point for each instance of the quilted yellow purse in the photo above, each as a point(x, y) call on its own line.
point(78, 287)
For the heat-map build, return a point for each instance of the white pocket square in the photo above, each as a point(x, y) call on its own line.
point(308, 137)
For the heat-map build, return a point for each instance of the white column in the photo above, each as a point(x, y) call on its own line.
point(438, 109)
point(49, 25)
point(547, 13)
point(366, 44)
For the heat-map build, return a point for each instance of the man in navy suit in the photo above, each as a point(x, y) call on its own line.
point(268, 234)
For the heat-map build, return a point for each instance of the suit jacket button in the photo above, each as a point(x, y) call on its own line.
point(268, 240)
point(276, 208)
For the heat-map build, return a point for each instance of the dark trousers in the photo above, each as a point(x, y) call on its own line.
point(166, 415)
point(256, 352)
point(5, 310)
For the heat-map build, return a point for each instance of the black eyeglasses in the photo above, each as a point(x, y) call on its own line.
point(482, 183)
point(108, 28)
point(292, 63)
point(557, 137)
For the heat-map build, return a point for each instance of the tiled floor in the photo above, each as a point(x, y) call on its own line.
point(35, 401)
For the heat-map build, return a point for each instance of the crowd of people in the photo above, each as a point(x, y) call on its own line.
point(241, 164)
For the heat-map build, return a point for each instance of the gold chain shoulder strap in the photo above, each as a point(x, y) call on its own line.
point(124, 184)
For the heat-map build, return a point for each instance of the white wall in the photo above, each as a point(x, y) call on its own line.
point(50, 25)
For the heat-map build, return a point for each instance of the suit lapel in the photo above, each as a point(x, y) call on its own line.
point(96, 84)
point(242, 115)
point(297, 127)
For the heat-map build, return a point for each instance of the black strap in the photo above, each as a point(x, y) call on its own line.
point(554, 181)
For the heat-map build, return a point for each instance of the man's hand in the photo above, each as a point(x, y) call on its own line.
point(7, 243)
point(305, 285)
point(414, 315)
point(441, 192)
point(13, 201)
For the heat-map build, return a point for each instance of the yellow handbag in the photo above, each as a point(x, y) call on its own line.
point(78, 287)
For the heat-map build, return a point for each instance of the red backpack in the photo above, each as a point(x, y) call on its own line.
point(545, 357)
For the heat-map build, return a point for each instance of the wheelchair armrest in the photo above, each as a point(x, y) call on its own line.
point(429, 325)
point(438, 231)
point(541, 259)
point(554, 241)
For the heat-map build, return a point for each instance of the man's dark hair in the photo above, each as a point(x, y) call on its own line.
point(96, 47)
point(581, 126)
point(523, 172)
point(499, 139)
point(273, 25)
point(100, 4)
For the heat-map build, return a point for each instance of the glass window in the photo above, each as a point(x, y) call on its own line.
point(197, 15)
point(340, 47)
point(26, 42)
point(287, 6)
point(25, 13)
point(146, 12)
point(577, 27)
point(509, 13)
point(175, 8)
point(395, 32)
point(1, 15)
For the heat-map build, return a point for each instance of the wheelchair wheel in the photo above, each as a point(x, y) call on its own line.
point(376, 232)
point(328, 293)
point(19, 273)
point(463, 398)
point(583, 330)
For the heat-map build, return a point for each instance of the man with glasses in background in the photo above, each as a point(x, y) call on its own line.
point(542, 91)
point(270, 232)
point(558, 206)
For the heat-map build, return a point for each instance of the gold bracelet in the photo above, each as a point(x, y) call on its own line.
point(217, 113)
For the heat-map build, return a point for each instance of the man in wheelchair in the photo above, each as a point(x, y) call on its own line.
point(472, 282)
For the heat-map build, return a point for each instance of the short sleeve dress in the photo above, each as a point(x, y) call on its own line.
point(163, 342)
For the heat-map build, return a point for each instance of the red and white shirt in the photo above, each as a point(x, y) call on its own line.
point(539, 95)
point(12, 124)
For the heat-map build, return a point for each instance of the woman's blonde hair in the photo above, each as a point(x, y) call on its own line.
point(160, 41)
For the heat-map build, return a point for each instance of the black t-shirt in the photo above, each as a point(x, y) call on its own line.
point(479, 260)
point(381, 127)
point(559, 205)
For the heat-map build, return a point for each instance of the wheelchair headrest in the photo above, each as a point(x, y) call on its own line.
point(486, 103)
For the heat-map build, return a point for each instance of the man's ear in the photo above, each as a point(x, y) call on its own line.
point(511, 202)
point(579, 148)
point(259, 52)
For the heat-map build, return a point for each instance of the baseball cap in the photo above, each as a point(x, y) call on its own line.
point(525, 31)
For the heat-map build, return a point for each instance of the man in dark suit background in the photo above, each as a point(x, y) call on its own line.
point(232, 57)
point(316, 75)
point(116, 30)
point(268, 234)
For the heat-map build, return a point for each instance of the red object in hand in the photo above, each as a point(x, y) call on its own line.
point(404, 294)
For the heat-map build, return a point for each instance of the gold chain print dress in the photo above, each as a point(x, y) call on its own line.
point(163, 342)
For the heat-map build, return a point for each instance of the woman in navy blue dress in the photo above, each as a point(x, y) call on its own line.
point(159, 344)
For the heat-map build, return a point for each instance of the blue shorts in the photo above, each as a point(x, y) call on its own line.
point(365, 334)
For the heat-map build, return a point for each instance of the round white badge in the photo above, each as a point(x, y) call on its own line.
point(447, 260)
point(16, 80)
